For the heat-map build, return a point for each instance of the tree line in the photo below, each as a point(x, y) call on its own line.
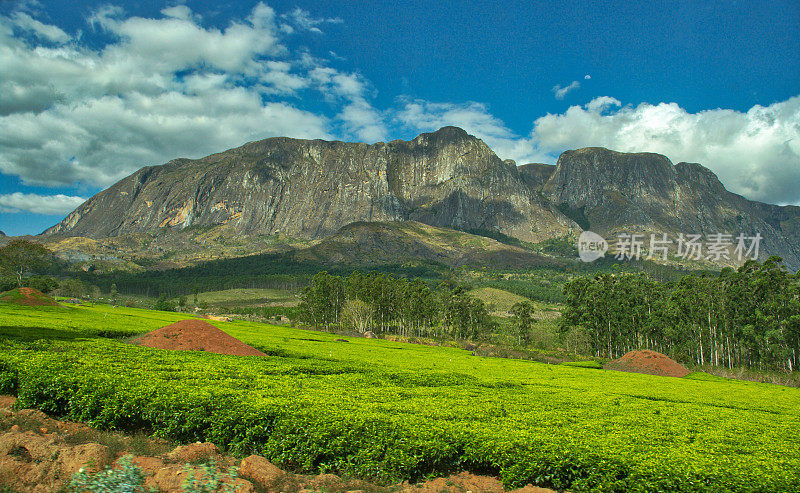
point(389, 304)
point(748, 317)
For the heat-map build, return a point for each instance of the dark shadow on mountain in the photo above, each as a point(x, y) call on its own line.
point(460, 211)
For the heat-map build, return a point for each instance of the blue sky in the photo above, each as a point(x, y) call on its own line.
point(92, 91)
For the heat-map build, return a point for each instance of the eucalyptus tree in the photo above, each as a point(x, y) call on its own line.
point(522, 319)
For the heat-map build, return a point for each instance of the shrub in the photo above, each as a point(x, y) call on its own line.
point(128, 478)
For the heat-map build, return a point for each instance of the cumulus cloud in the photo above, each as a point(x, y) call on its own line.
point(425, 116)
point(754, 153)
point(180, 12)
point(560, 92)
point(47, 32)
point(358, 117)
point(161, 88)
point(39, 204)
point(72, 113)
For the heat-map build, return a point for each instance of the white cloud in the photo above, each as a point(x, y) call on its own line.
point(560, 92)
point(176, 43)
point(39, 204)
point(358, 117)
point(587, 77)
point(162, 88)
point(280, 80)
point(107, 138)
point(756, 154)
point(43, 31)
point(363, 121)
point(303, 20)
point(170, 86)
point(424, 116)
point(180, 12)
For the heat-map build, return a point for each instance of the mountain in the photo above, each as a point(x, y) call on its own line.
point(610, 192)
point(308, 190)
point(311, 188)
point(409, 242)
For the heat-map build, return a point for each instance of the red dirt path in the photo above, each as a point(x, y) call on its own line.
point(650, 362)
point(196, 335)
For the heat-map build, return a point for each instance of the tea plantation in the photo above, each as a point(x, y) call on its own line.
point(388, 411)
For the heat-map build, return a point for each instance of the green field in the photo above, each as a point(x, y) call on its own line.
point(248, 296)
point(389, 411)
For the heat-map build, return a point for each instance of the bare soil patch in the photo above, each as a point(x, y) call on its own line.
point(196, 335)
point(649, 362)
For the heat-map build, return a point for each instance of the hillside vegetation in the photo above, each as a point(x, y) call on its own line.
point(386, 410)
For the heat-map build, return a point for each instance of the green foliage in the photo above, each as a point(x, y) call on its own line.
point(164, 304)
point(389, 411)
point(73, 288)
point(9, 377)
point(21, 256)
point(45, 284)
point(585, 364)
point(128, 478)
point(749, 317)
point(531, 289)
point(563, 247)
point(522, 320)
point(390, 304)
point(322, 301)
point(268, 271)
point(209, 480)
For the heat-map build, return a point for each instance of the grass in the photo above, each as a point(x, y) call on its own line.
point(501, 300)
point(584, 364)
point(247, 297)
point(387, 410)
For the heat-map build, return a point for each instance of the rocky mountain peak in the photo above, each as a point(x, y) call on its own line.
point(583, 176)
point(700, 175)
point(309, 189)
point(445, 135)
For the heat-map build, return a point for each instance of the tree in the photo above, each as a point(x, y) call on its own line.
point(72, 288)
point(113, 293)
point(21, 256)
point(182, 302)
point(163, 304)
point(322, 301)
point(358, 314)
point(522, 318)
point(94, 294)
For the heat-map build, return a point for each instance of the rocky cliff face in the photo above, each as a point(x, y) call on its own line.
point(311, 188)
point(617, 191)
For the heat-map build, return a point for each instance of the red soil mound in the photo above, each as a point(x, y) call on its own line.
point(28, 296)
point(650, 362)
point(196, 335)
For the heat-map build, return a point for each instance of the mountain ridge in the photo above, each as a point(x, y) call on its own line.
point(310, 189)
point(646, 192)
